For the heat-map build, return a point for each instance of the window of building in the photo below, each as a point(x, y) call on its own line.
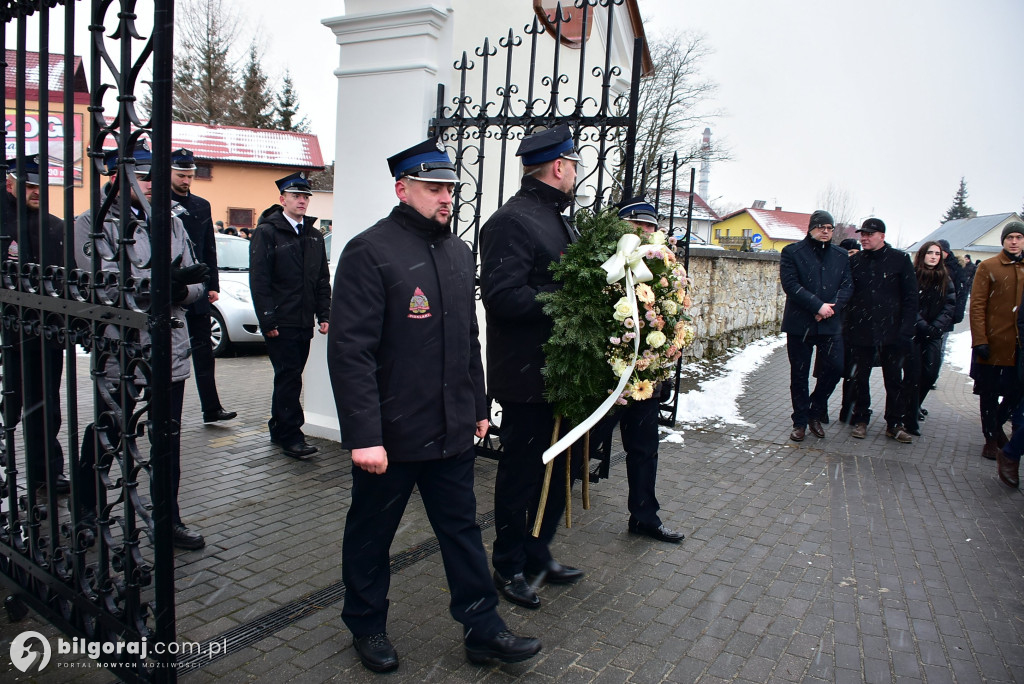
point(204, 171)
point(748, 232)
point(718, 233)
point(240, 218)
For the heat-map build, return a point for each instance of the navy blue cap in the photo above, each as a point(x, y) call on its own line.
point(31, 164)
point(182, 160)
point(638, 209)
point(547, 146)
point(296, 183)
point(143, 160)
point(872, 225)
point(426, 161)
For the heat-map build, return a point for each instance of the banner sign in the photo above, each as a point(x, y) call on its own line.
point(56, 130)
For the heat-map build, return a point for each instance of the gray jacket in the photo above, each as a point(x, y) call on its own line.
point(139, 255)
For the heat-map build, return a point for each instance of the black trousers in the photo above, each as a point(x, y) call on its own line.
point(203, 361)
point(891, 357)
point(829, 371)
point(85, 492)
point(525, 434)
point(28, 398)
point(638, 426)
point(1000, 391)
point(921, 370)
point(288, 353)
point(378, 502)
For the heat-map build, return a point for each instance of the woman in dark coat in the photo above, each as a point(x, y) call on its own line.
point(936, 306)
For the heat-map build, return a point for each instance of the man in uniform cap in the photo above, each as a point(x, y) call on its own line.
point(102, 252)
point(409, 387)
point(638, 424)
point(517, 245)
point(199, 225)
point(37, 391)
point(880, 320)
point(290, 286)
point(815, 275)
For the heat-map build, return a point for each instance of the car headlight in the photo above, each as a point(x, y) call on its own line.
point(236, 290)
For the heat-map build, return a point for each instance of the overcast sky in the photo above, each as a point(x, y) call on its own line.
point(890, 101)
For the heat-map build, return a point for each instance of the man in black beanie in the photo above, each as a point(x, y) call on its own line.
point(816, 277)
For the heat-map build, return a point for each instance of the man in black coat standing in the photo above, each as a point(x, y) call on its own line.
point(290, 285)
point(198, 222)
point(404, 359)
point(880, 320)
point(815, 275)
point(961, 282)
point(32, 365)
point(517, 245)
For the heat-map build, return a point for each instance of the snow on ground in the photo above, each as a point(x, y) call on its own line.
point(958, 351)
point(717, 397)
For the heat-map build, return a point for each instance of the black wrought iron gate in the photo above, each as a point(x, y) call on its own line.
point(96, 562)
point(483, 124)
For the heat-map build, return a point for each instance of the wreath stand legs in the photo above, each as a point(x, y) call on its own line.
point(546, 486)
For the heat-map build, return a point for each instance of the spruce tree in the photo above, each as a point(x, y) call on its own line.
point(205, 86)
point(256, 108)
point(288, 108)
point(960, 208)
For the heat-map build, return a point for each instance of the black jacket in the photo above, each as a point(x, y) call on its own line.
point(198, 223)
point(403, 347)
point(288, 273)
point(935, 311)
point(883, 309)
point(814, 273)
point(961, 285)
point(53, 235)
point(517, 245)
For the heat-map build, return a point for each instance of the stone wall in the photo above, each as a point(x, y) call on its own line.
point(737, 298)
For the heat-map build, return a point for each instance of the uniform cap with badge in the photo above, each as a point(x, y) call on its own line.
point(143, 161)
point(426, 161)
point(296, 183)
point(31, 166)
point(638, 209)
point(183, 160)
point(548, 145)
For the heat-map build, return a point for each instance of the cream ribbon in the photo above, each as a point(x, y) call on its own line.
point(626, 264)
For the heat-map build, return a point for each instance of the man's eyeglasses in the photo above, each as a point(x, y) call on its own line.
point(825, 227)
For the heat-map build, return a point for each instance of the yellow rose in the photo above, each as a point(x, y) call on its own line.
point(656, 238)
point(623, 309)
point(668, 307)
point(656, 339)
point(619, 367)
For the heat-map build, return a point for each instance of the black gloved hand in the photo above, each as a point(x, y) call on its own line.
point(982, 352)
point(181, 278)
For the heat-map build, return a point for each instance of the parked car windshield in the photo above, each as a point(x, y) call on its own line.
point(232, 253)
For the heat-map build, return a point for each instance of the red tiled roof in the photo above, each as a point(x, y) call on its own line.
point(54, 78)
point(701, 210)
point(248, 145)
point(778, 224)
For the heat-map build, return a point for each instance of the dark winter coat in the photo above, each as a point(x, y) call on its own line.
point(961, 285)
point(995, 296)
point(403, 347)
point(814, 273)
point(883, 309)
point(198, 222)
point(517, 245)
point(53, 235)
point(935, 312)
point(288, 274)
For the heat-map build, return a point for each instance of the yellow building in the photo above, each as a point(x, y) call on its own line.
point(765, 230)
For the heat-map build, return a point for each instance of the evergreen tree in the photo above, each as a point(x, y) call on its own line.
point(256, 108)
point(205, 86)
point(288, 108)
point(960, 208)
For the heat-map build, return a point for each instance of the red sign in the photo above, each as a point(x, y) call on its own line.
point(55, 131)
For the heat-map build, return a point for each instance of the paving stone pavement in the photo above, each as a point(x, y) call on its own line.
point(833, 560)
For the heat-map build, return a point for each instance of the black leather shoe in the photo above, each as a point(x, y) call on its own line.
point(61, 484)
point(376, 652)
point(299, 450)
point(185, 538)
point(815, 427)
point(556, 573)
point(797, 435)
point(661, 533)
point(516, 590)
point(219, 414)
point(504, 646)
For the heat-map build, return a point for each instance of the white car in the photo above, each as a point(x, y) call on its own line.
point(233, 318)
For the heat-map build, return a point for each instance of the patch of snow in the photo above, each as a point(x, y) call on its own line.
point(958, 352)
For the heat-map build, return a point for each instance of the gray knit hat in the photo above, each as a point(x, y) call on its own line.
point(1012, 227)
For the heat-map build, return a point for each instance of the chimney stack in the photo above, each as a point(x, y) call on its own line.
point(705, 165)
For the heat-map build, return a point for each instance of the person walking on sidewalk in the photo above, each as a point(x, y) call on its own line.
point(198, 223)
point(290, 287)
point(937, 306)
point(404, 360)
point(517, 245)
point(995, 298)
point(880, 321)
point(815, 275)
